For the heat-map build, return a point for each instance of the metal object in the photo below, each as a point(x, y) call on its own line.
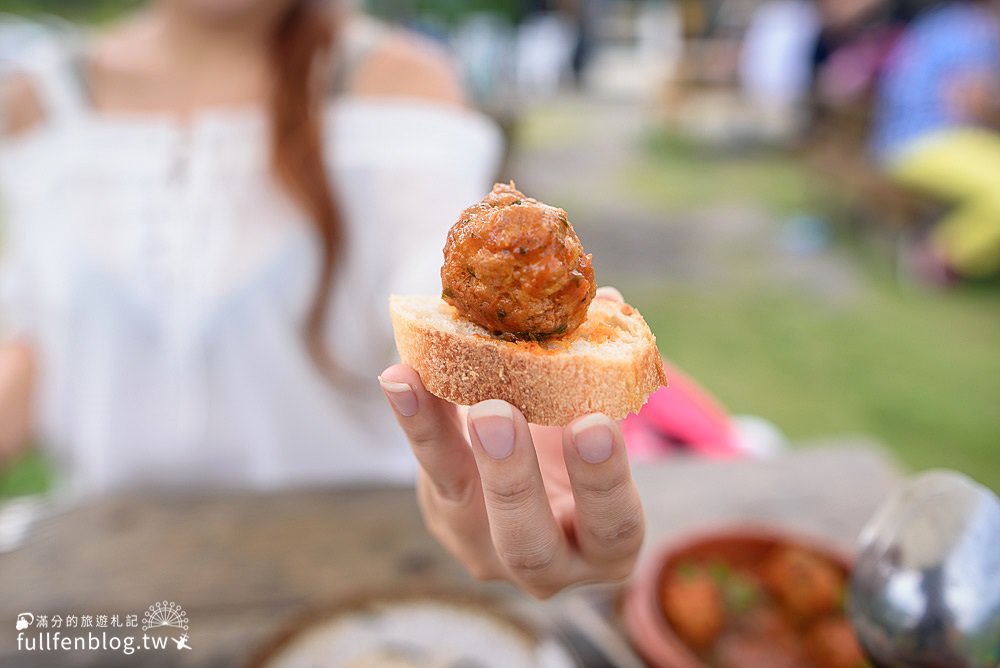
point(925, 588)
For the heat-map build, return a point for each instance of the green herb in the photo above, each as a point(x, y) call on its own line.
point(501, 314)
point(469, 271)
point(719, 572)
point(740, 593)
point(687, 571)
point(537, 337)
point(447, 293)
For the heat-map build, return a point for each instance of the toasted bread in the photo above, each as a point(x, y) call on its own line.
point(609, 364)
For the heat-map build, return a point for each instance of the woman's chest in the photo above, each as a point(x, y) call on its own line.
point(169, 223)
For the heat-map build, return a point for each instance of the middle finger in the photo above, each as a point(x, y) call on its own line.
point(525, 534)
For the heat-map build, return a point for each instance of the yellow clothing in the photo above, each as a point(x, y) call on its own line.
point(960, 166)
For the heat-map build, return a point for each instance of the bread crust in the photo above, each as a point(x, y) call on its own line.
point(550, 387)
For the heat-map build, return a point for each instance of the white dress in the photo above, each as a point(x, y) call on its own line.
point(164, 278)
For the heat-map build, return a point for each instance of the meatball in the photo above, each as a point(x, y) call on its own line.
point(834, 645)
point(806, 585)
point(516, 267)
point(692, 601)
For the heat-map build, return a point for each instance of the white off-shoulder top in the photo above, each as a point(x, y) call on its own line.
point(164, 278)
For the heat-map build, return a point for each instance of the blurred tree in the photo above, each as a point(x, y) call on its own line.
point(448, 12)
point(91, 11)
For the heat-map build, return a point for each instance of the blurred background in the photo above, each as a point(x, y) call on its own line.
point(714, 156)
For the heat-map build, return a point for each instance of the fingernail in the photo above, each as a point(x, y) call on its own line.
point(494, 425)
point(592, 438)
point(401, 396)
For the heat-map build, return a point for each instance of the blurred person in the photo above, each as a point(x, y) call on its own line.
point(544, 53)
point(484, 44)
point(775, 65)
point(936, 131)
point(659, 44)
point(206, 207)
point(850, 50)
point(586, 17)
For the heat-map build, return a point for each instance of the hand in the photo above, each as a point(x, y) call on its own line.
point(543, 507)
point(973, 98)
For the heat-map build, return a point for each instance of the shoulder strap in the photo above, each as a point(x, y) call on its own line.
point(57, 68)
point(359, 38)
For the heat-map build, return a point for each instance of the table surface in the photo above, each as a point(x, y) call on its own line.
point(242, 564)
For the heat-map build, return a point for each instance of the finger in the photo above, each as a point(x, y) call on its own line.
point(608, 292)
point(527, 539)
point(448, 487)
point(434, 432)
point(609, 520)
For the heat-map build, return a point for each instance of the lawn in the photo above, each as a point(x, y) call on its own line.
point(920, 373)
point(674, 173)
point(918, 370)
point(30, 474)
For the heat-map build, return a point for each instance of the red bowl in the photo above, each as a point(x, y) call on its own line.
point(645, 623)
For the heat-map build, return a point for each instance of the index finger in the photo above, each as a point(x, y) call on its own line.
point(433, 429)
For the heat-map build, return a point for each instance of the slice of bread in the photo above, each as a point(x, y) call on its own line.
point(610, 364)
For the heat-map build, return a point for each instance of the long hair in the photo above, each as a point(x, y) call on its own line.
point(300, 51)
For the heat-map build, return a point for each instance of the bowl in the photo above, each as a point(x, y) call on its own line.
point(412, 629)
point(645, 622)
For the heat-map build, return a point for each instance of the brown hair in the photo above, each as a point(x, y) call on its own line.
point(304, 35)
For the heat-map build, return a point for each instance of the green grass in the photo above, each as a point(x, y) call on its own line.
point(448, 12)
point(85, 11)
point(675, 173)
point(920, 373)
point(29, 474)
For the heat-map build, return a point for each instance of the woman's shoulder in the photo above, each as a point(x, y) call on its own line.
point(21, 107)
point(29, 72)
point(403, 64)
point(54, 71)
point(405, 98)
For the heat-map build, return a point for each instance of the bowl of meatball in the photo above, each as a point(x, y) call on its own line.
point(743, 597)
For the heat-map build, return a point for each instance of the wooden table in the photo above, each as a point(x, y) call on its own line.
point(241, 564)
